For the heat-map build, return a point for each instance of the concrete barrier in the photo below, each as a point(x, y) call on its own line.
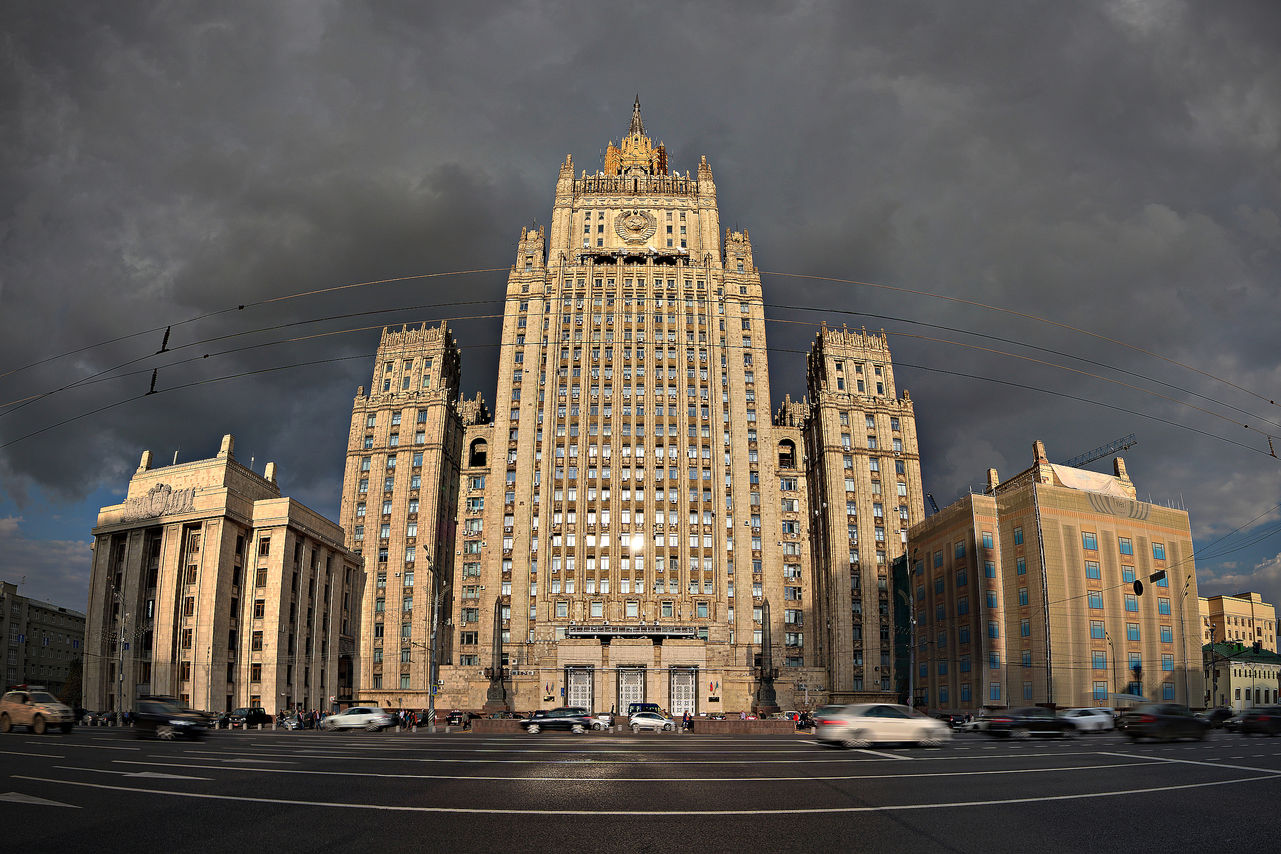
point(706, 726)
point(492, 725)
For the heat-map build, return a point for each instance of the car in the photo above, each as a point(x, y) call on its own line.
point(1029, 721)
point(651, 720)
point(865, 724)
point(369, 718)
point(91, 718)
point(572, 718)
point(1233, 723)
point(297, 721)
point(248, 716)
point(458, 718)
point(164, 718)
point(1265, 720)
point(1215, 717)
point(602, 721)
point(34, 707)
point(1091, 720)
point(978, 723)
point(1162, 721)
point(633, 708)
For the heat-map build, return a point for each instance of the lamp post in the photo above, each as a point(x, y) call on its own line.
point(1183, 641)
point(1112, 647)
point(431, 652)
point(120, 658)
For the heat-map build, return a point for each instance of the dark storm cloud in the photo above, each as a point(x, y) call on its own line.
point(1111, 166)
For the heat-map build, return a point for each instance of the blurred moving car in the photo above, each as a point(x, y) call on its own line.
point(368, 718)
point(90, 718)
point(1215, 717)
point(297, 721)
point(1029, 721)
point(1265, 720)
point(602, 721)
point(572, 718)
point(458, 718)
point(165, 719)
point(865, 724)
point(34, 707)
point(1091, 720)
point(246, 717)
point(1233, 723)
point(651, 720)
point(1163, 721)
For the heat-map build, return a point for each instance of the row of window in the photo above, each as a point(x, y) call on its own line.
point(1125, 546)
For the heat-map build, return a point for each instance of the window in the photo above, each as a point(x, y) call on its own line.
point(1158, 551)
point(1089, 541)
point(1018, 536)
point(987, 539)
point(1099, 659)
point(1126, 545)
point(1092, 570)
point(1167, 691)
point(1096, 599)
point(1020, 565)
point(991, 599)
point(989, 569)
point(1167, 634)
point(1163, 606)
point(960, 549)
point(1167, 662)
point(993, 629)
point(1131, 602)
point(994, 691)
point(1096, 629)
point(1127, 574)
point(1022, 595)
point(1132, 632)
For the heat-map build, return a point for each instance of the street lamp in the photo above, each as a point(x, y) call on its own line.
point(120, 658)
point(1111, 679)
point(1183, 641)
point(431, 652)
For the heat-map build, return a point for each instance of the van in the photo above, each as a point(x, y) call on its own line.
point(633, 708)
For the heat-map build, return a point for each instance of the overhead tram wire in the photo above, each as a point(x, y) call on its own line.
point(22, 402)
point(241, 307)
point(1026, 316)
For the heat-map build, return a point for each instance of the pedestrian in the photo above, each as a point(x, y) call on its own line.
point(742, 716)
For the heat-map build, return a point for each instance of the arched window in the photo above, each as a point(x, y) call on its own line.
point(479, 453)
point(786, 454)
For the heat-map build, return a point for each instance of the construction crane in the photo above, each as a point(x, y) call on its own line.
point(1115, 446)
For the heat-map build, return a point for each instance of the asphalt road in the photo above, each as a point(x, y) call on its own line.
point(102, 790)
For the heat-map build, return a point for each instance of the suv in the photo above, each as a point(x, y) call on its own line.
point(166, 719)
point(33, 706)
point(633, 708)
point(573, 718)
point(370, 718)
point(247, 717)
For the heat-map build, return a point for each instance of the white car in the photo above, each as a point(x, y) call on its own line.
point(651, 720)
point(865, 724)
point(1091, 720)
point(369, 718)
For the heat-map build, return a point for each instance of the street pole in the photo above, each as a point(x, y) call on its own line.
point(1111, 676)
point(1183, 639)
point(431, 653)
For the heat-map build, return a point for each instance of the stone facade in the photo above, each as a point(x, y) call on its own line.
point(631, 512)
point(40, 641)
point(1025, 595)
point(210, 586)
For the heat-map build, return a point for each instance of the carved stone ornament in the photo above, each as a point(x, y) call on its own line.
point(635, 226)
point(162, 499)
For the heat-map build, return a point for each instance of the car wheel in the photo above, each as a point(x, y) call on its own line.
point(635, 728)
point(577, 729)
point(1021, 732)
point(1068, 732)
point(667, 727)
point(533, 729)
point(37, 725)
point(372, 727)
point(5, 723)
point(166, 732)
point(1200, 736)
point(930, 740)
point(66, 727)
point(856, 739)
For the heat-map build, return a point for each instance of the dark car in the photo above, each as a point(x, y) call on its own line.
point(1265, 720)
point(1030, 721)
point(457, 718)
point(244, 718)
point(90, 718)
point(572, 718)
point(298, 721)
point(164, 718)
point(1163, 721)
point(1215, 717)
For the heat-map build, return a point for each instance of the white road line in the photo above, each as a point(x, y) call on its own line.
point(611, 780)
point(1274, 771)
point(32, 800)
point(1271, 776)
point(22, 753)
point(879, 753)
point(153, 774)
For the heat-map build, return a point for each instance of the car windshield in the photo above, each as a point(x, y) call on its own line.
point(42, 697)
point(241, 712)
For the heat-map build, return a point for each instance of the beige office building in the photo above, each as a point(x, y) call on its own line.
point(1239, 678)
point(42, 643)
point(631, 507)
point(209, 585)
point(1026, 595)
point(1243, 618)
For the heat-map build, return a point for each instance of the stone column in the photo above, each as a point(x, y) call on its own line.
point(496, 698)
point(766, 700)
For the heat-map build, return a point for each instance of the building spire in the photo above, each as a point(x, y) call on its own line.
point(637, 126)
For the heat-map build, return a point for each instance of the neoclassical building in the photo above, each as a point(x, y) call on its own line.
point(632, 519)
point(209, 585)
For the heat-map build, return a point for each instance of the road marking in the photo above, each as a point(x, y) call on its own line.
point(19, 798)
point(158, 775)
point(276, 761)
point(21, 753)
point(1273, 771)
point(561, 779)
point(933, 805)
point(879, 753)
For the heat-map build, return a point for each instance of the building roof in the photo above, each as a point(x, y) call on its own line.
point(1237, 651)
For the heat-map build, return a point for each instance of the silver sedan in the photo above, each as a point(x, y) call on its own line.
point(651, 720)
point(865, 724)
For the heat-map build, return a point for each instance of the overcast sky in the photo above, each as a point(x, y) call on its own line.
point(1109, 167)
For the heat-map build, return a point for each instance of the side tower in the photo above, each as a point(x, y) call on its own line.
point(865, 490)
point(400, 495)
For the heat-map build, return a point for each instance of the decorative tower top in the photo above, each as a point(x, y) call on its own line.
point(637, 127)
point(636, 154)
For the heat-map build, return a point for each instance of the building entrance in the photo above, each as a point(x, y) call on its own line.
point(631, 687)
point(578, 687)
point(684, 692)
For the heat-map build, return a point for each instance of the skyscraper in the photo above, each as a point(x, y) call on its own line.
point(630, 521)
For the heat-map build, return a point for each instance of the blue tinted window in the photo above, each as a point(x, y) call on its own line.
point(993, 630)
point(942, 668)
point(1158, 551)
point(1092, 569)
point(1096, 629)
point(1126, 545)
point(963, 634)
point(1167, 691)
point(1090, 542)
point(1132, 631)
point(1025, 628)
point(1163, 606)
point(989, 569)
point(987, 539)
point(1027, 658)
point(1127, 574)
point(1167, 634)
point(1021, 566)
point(938, 558)
point(1167, 662)
point(1018, 536)
point(1022, 595)
point(1101, 691)
point(965, 693)
point(960, 549)
point(1095, 599)
point(962, 578)
point(1099, 659)
point(994, 691)
point(994, 660)
point(1131, 602)
point(965, 664)
point(991, 598)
